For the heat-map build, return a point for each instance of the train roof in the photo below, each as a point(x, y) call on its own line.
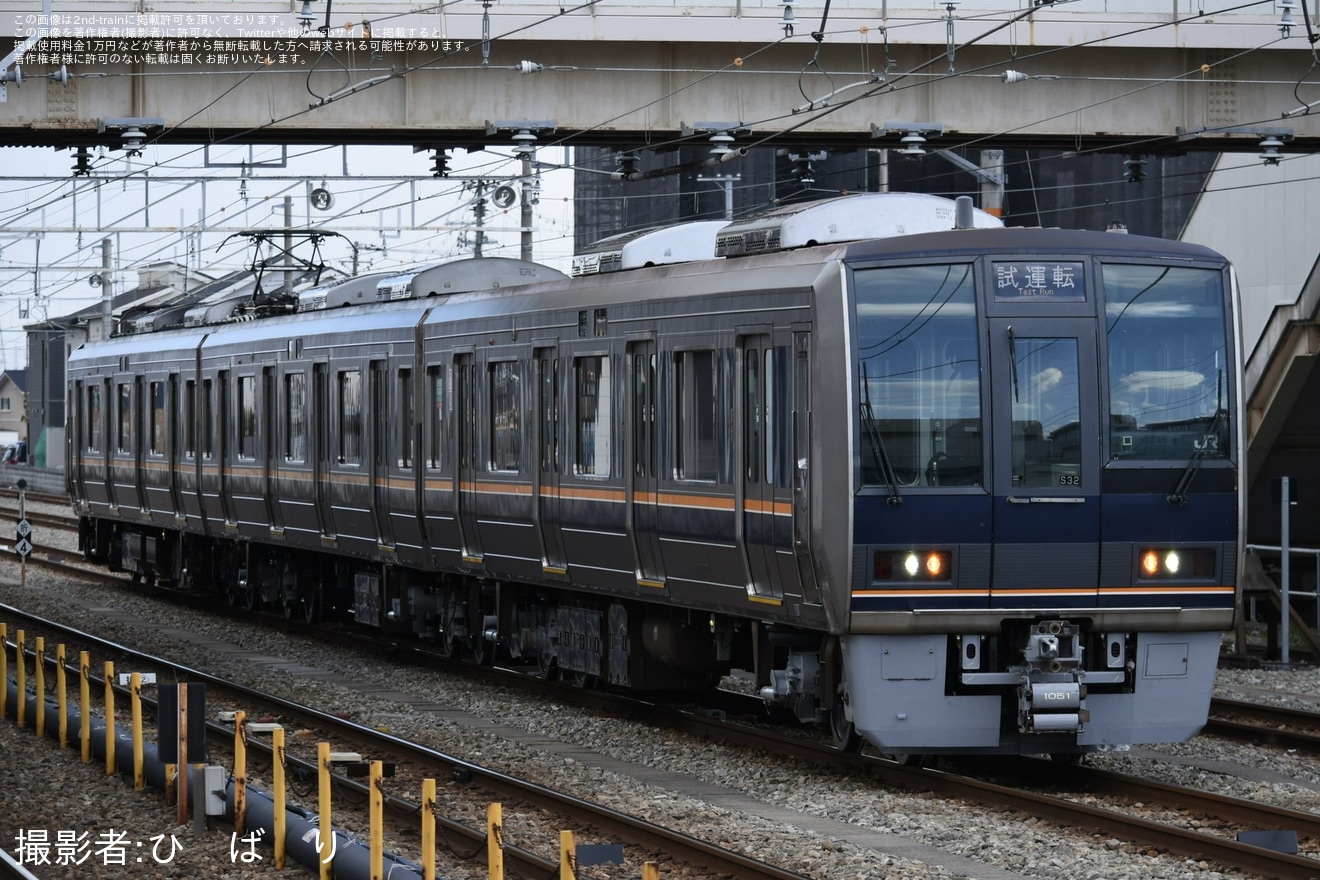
point(654, 246)
point(1019, 239)
point(846, 218)
point(479, 273)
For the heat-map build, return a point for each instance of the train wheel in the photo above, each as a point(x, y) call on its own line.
point(479, 651)
point(311, 604)
point(549, 666)
point(845, 735)
point(585, 681)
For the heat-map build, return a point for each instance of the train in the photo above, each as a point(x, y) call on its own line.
point(931, 482)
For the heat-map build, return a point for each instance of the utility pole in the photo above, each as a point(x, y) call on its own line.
point(107, 287)
point(288, 245)
point(479, 213)
point(727, 180)
point(526, 219)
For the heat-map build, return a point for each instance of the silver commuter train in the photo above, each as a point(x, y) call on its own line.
point(965, 491)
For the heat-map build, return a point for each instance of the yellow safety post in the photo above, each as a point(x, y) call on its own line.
point(650, 871)
point(62, 695)
point(428, 829)
point(109, 718)
point(495, 840)
point(376, 812)
point(277, 765)
point(85, 704)
point(135, 696)
point(41, 686)
point(240, 771)
point(21, 690)
point(567, 856)
point(4, 669)
point(327, 838)
point(181, 771)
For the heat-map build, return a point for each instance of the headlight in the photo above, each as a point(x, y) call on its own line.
point(912, 565)
point(1164, 562)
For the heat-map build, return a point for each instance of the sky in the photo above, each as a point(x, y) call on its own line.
point(182, 204)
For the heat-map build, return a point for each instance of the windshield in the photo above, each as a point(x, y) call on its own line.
point(1168, 367)
point(920, 397)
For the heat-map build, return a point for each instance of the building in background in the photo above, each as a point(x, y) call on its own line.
point(13, 407)
point(1150, 195)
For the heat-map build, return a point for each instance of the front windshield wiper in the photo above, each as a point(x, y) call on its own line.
point(1012, 361)
point(877, 442)
point(1179, 494)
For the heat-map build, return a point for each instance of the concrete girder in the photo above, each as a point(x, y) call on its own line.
point(637, 76)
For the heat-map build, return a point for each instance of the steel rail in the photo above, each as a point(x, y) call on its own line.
point(645, 833)
point(1241, 856)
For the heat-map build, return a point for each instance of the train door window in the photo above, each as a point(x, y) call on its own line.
point(156, 419)
point(93, 418)
point(207, 420)
point(801, 400)
point(407, 430)
point(644, 391)
point(591, 381)
point(695, 416)
point(124, 437)
point(189, 418)
point(548, 377)
point(467, 414)
point(505, 429)
point(379, 406)
point(350, 417)
point(295, 417)
point(752, 415)
point(1168, 363)
point(772, 417)
point(919, 388)
point(247, 417)
point(435, 383)
point(1047, 442)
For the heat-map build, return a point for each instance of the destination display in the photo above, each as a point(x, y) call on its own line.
point(1061, 282)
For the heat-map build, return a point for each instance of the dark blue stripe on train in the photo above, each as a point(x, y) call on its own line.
point(1146, 518)
point(925, 520)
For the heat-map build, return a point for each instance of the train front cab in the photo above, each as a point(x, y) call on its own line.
point(1046, 515)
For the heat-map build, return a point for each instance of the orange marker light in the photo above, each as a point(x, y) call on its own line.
point(1150, 562)
point(934, 564)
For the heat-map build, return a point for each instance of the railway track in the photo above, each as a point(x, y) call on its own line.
point(1286, 728)
point(424, 762)
point(1061, 808)
point(1263, 723)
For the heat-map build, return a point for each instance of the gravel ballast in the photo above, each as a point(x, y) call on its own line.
point(818, 823)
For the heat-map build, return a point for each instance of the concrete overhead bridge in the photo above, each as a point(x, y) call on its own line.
point(1134, 76)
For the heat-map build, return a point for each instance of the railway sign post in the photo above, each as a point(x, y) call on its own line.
point(23, 546)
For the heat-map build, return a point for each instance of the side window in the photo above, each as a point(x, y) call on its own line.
point(435, 393)
point(189, 418)
point(505, 416)
point(407, 428)
point(156, 419)
point(694, 416)
point(591, 448)
point(548, 375)
point(247, 417)
point(295, 417)
point(752, 415)
point(350, 417)
point(207, 420)
point(124, 438)
point(93, 418)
